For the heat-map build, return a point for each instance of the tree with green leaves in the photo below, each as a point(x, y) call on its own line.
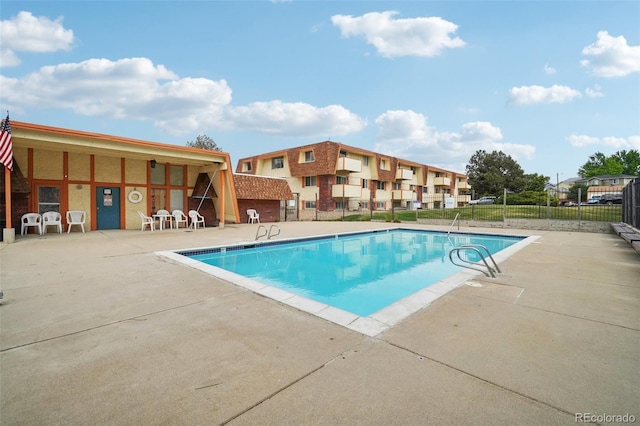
point(204, 142)
point(536, 182)
point(621, 163)
point(491, 173)
point(573, 192)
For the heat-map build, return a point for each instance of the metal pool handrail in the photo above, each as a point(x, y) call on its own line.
point(266, 233)
point(270, 229)
point(478, 249)
point(454, 221)
point(258, 235)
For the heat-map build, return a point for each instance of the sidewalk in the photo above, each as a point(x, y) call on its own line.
point(98, 329)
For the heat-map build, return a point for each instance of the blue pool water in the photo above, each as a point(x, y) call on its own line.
point(358, 273)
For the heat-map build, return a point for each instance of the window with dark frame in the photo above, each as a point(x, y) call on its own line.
point(277, 163)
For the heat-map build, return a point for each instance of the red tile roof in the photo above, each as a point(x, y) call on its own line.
point(250, 187)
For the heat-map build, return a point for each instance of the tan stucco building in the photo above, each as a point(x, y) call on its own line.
point(111, 178)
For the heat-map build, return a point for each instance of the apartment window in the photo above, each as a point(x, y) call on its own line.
point(438, 174)
point(365, 160)
point(309, 204)
point(380, 185)
point(310, 181)
point(425, 189)
point(380, 205)
point(616, 181)
point(341, 180)
point(341, 205)
point(383, 164)
point(396, 185)
point(308, 157)
point(343, 153)
point(246, 166)
point(365, 183)
point(277, 163)
point(364, 204)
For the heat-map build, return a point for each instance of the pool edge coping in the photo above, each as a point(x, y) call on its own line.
point(371, 325)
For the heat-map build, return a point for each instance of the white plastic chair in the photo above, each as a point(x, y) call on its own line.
point(147, 221)
point(31, 220)
point(164, 216)
point(196, 218)
point(253, 216)
point(51, 219)
point(76, 217)
point(179, 217)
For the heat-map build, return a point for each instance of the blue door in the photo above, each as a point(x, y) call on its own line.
point(108, 205)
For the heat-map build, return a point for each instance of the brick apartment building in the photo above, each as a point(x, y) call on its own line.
point(328, 178)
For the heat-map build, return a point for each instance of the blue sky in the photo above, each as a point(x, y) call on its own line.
point(547, 82)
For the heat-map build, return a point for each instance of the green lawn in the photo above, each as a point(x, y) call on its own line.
point(496, 213)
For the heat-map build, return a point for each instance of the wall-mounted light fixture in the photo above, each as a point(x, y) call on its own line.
point(153, 163)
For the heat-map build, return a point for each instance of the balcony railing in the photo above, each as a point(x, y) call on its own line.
point(463, 185)
point(442, 181)
point(348, 165)
point(346, 191)
point(404, 195)
point(404, 174)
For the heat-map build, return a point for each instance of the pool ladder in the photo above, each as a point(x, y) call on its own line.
point(268, 233)
point(478, 249)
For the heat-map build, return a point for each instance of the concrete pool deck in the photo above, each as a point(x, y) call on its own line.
point(97, 328)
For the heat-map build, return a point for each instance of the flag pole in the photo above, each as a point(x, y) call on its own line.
point(7, 197)
point(6, 159)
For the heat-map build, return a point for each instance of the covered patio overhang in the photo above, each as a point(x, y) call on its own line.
point(216, 164)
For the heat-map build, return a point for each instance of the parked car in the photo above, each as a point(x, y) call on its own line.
point(483, 200)
point(610, 199)
point(593, 200)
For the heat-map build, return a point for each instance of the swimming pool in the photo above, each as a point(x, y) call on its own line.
point(366, 281)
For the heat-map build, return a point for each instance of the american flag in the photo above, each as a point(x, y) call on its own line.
point(6, 147)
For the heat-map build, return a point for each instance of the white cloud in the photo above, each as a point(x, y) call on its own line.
point(401, 127)
point(294, 119)
point(400, 37)
point(580, 141)
point(26, 33)
point(136, 89)
point(132, 88)
point(406, 134)
point(611, 56)
point(549, 70)
point(530, 95)
point(596, 92)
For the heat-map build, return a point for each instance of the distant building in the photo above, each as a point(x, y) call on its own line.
point(330, 178)
point(606, 184)
point(607, 180)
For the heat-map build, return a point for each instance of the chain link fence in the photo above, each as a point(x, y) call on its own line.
point(591, 206)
